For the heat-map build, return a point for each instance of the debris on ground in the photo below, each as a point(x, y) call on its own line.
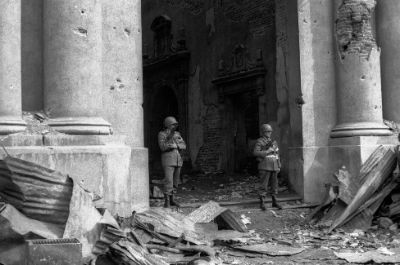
point(14, 225)
point(157, 193)
point(37, 123)
point(45, 203)
point(348, 224)
point(352, 202)
point(217, 186)
point(37, 192)
point(379, 256)
point(271, 249)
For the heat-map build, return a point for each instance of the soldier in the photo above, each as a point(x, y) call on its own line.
point(171, 143)
point(267, 152)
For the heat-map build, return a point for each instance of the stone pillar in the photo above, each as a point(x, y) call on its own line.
point(73, 66)
point(358, 78)
point(123, 83)
point(10, 67)
point(388, 35)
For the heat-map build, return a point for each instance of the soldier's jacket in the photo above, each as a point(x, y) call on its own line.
point(267, 153)
point(170, 147)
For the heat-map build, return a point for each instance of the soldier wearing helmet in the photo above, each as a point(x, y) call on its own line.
point(267, 152)
point(171, 143)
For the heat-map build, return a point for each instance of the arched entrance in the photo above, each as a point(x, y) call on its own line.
point(165, 88)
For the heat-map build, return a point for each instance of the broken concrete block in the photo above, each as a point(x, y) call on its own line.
point(385, 222)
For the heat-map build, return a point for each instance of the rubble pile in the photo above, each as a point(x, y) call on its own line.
point(41, 204)
point(363, 203)
point(352, 202)
point(168, 237)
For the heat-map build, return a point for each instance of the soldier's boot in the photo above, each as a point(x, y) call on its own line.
point(167, 203)
point(262, 203)
point(173, 202)
point(275, 202)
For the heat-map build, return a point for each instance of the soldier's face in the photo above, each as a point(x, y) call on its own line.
point(267, 133)
point(173, 127)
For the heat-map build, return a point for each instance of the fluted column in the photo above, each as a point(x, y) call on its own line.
point(72, 66)
point(358, 78)
point(388, 35)
point(10, 67)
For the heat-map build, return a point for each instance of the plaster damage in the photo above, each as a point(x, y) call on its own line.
point(354, 28)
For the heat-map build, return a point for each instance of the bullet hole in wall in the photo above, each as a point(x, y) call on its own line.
point(81, 31)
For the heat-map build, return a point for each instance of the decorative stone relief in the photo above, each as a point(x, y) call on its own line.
point(242, 75)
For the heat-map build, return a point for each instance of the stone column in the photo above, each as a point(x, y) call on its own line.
point(72, 66)
point(388, 35)
point(10, 67)
point(358, 78)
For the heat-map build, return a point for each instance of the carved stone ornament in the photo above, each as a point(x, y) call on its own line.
point(242, 75)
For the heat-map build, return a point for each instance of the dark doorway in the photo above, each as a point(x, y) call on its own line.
point(164, 103)
point(241, 131)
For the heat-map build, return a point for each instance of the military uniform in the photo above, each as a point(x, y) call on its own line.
point(267, 153)
point(171, 159)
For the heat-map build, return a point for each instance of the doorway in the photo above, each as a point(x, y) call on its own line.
point(164, 103)
point(241, 127)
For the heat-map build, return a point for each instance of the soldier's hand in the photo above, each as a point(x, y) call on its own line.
point(171, 145)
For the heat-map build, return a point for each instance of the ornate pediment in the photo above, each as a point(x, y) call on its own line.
point(242, 75)
point(165, 48)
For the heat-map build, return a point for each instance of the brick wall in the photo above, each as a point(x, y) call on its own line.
point(353, 27)
point(209, 154)
point(259, 14)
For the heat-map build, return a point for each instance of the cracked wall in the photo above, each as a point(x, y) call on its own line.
point(354, 31)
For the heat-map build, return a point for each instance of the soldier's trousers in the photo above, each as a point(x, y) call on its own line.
point(171, 178)
point(265, 177)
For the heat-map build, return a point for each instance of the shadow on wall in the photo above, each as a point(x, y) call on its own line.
point(31, 55)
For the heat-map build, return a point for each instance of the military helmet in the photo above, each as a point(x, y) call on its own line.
point(169, 121)
point(266, 127)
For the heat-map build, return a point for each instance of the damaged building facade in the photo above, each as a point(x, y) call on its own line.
point(79, 63)
point(312, 69)
point(322, 73)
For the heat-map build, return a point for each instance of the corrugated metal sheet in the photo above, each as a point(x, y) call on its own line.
point(38, 192)
point(55, 251)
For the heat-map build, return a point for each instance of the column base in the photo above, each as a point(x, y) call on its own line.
point(11, 125)
point(360, 129)
point(104, 165)
point(81, 125)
